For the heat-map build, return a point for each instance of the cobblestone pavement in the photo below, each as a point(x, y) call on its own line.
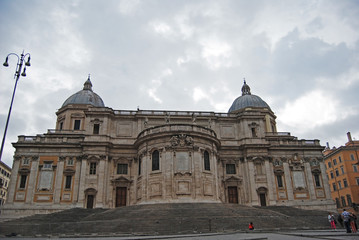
point(293, 235)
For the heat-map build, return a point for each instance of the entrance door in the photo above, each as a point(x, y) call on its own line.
point(90, 199)
point(121, 196)
point(232, 195)
point(262, 197)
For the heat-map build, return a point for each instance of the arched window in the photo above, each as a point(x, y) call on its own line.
point(207, 165)
point(155, 160)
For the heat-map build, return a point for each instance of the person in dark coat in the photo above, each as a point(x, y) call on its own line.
point(340, 220)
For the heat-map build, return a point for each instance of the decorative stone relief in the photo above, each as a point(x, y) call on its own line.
point(167, 118)
point(277, 162)
point(181, 140)
point(296, 164)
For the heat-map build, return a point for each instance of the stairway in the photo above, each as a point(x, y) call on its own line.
point(179, 218)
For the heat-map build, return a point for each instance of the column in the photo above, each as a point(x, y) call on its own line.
point(75, 193)
point(12, 183)
point(58, 179)
point(32, 180)
point(81, 194)
point(309, 174)
point(325, 181)
point(271, 182)
point(288, 181)
point(101, 178)
point(253, 198)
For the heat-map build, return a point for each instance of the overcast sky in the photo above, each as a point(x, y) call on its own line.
point(301, 57)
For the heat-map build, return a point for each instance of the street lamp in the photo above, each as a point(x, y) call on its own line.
point(20, 61)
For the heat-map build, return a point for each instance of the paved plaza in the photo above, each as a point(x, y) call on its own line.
point(255, 235)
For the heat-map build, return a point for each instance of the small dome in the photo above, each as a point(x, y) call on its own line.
point(85, 96)
point(247, 100)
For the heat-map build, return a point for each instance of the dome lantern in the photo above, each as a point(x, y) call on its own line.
point(247, 100)
point(86, 96)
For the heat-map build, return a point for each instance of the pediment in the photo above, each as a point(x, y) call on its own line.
point(232, 179)
point(121, 179)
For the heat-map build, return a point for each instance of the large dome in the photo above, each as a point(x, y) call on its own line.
point(247, 100)
point(85, 96)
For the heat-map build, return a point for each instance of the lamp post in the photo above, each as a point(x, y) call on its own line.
point(20, 61)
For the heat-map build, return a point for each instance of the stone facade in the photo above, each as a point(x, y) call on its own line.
point(98, 157)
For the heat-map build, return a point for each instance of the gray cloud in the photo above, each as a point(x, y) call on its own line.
point(184, 55)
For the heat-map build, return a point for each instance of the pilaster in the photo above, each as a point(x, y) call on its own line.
point(288, 181)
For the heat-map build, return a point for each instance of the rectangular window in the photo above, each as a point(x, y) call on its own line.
point(342, 169)
point(357, 180)
point(230, 168)
point(122, 168)
point(329, 164)
point(93, 168)
point(334, 187)
point(355, 168)
point(336, 172)
point(207, 165)
point(23, 181)
point(317, 180)
point(352, 157)
point(345, 182)
point(337, 202)
point(331, 175)
point(26, 161)
point(349, 200)
point(77, 124)
point(68, 182)
point(344, 204)
point(96, 128)
point(340, 159)
point(280, 181)
point(47, 165)
point(139, 166)
point(61, 125)
point(70, 162)
point(334, 162)
point(339, 184)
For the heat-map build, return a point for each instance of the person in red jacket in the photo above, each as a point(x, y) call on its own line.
point(251, 227)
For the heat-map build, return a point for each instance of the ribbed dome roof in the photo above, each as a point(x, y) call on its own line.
point(85, 96)
point(247, 100)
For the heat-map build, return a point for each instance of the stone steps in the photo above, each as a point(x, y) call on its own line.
point(166, 219)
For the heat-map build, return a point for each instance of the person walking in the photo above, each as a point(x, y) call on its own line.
point(331, 220)
point(346, 217)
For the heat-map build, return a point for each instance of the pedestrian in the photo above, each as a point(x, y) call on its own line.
point(340, 220)
point(331, 220)
point(353, 222)
point(251, 227)
point(346, 217)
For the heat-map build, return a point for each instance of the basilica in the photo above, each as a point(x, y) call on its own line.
point(98, 157)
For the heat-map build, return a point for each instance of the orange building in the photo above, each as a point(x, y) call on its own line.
point(342, 168)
